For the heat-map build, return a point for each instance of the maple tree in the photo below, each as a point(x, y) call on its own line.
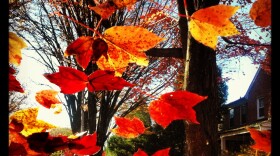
point(114, 51)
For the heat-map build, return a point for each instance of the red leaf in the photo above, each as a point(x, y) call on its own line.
point(163, 152)
point(262, 139)
point(105, 10)
point(17, 149)
point(86, 145)
point(140, 153)
point(16, 126)
point(129, 128)
point(176, 105)
point(82, 49)
point(47, 97)
point(14, 85)
point(69, 80)
point(105, 80)
point(99, 48)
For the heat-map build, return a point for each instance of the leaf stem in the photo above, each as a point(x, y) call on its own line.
point(95, 29)
point(187, 59)
point(186, 9)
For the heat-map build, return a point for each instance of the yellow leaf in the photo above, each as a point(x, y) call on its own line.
point(57, 108)
point(28, 117)
point(15, 45)
point(123, 3)
point(260, 12)
point(207, 24)
point(127, 44)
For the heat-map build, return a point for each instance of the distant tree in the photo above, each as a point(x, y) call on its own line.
point(16, 101)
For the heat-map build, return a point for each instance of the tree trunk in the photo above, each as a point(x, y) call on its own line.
point(74, 111)
point(201, 139)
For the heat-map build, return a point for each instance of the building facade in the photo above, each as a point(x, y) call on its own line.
point(252, 110)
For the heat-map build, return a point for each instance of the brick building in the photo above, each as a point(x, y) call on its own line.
point(252, 110)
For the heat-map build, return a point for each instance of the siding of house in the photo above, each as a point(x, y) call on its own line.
point(260, 89)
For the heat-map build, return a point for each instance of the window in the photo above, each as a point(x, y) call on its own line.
point(243, 114)
point(231, 117)
point(260, 108)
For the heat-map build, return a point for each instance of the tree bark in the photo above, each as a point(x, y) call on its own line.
point(201, 139)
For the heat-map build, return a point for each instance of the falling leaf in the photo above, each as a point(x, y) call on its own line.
point(82, 49)
point(124, 3)
point(69, 80)
point(129, 128)
point(19, 145)
point(86, 145)
point(207, 24)
point(14, 84)
point(140, 153)
point(76, 135)
point(28, 117)
point(17, 149)
point(47, 97)
point(15, 45)
point(163, 152)
point(105, 80)
point(105, 10)
point(99, 48)
point(176, 105)
point(127, 44)
point(57, 108)
point(16, 126)
point(260, 13)
point(262, 139)
point(44, 143)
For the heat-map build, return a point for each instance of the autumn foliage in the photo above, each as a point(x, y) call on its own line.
point(113, 51)
point(262, 139)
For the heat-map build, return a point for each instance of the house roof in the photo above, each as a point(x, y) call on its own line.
point(243, 100)
point(238, 102)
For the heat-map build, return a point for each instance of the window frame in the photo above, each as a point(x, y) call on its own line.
point(258, 107)
point(231, 117)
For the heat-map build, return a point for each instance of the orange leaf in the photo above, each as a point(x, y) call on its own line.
point(207, 24)
point(69, 80)
point(124, 3)
point(86, 145)
point(82, 49)
point(28, 117)
point(46, 98)
point(163, 152)
point(105, 80)
point(129, 128)
point(140, 153)
point(176, 105)
point(127, 44)
point(105, 10)
point(14, 85)
point(262, 139)
point(260, 13)
point(15, 45)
